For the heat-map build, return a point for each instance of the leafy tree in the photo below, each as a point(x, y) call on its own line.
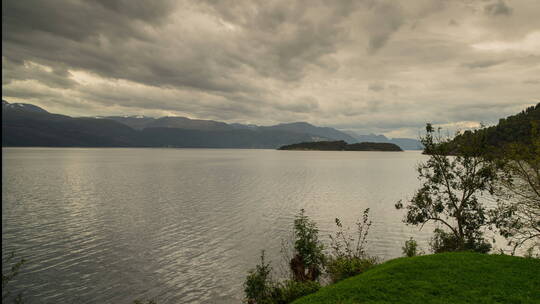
point(258, 286)
point(306, 266)
point(308, 261)
point(515, 129)
point(451, 186)
point(410, 248)
point(517, 215)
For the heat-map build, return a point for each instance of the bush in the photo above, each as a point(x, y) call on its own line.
point(344, 267)
point(443, 241)
point(258, 286)
point(308, 261)
point(349, 256)
point(410, 248)
point(289, 291)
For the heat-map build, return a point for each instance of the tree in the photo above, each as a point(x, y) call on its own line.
point(517, 215)
point(308, 261)
point(449, 195)
point(258, 285)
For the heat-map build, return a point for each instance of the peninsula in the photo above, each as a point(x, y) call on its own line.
point(341, 145)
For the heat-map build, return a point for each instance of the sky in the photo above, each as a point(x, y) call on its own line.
point(370, 66)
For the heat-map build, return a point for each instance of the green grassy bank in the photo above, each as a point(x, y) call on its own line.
point(439, 278)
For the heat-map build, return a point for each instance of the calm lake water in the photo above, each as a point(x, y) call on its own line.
point(183, 225)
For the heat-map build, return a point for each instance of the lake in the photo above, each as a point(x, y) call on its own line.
point(184, 225)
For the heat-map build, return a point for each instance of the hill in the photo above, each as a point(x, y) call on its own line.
point(30, 125)
point(440, 278)
point(142, 122)
point(26, 125)
point(341, 146)
point(513, 129)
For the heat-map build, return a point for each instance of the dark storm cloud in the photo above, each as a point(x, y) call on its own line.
point(58, 78)
point(499, 7)
point(382, 28)
point(275, 61)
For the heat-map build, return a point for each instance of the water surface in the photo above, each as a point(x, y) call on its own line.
point(183, 225)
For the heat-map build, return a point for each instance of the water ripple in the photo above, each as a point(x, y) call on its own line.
point(181, 225)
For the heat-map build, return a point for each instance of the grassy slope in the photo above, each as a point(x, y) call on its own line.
point(440, 278)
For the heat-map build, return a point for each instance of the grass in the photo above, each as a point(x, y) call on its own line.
point(440, 278)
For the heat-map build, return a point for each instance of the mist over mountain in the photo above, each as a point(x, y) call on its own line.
point(29, 125)
point(304, 127)
point(403, 143)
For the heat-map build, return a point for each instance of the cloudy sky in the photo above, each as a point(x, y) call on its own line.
point(382, 66)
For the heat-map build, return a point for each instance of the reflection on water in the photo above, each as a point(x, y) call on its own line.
point(183, 225)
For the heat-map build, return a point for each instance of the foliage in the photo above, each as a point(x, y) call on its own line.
point(290, 290)
point(457, 277)
point(8, 276)
point(344, 245)
point(308, 261)
point(348, 257)
point(517, 215)
point(258, 285)
point(516, 129)
point(410, 248)
point(259, 288)
point(443, 241)
point(451, 186)
point(340, 268)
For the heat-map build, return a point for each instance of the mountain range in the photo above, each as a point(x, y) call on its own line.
point(29, 125)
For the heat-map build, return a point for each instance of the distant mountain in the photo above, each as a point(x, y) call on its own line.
point(407, 143)
point(190, 124)
point(368, 138)
point(142, 122)
point(403, 143)
point(242, 126)
point(22, 106)
point(29, 125)
point(138, 122)
point(323, 132)
point(236, 138)
point(341, 145)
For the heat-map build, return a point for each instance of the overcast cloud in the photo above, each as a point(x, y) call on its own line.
point(379, 66)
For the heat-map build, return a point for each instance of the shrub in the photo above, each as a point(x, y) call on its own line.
point(343, 244)
point(410, 248)
point(290, 290)
point(258, 286)
point(443, 241)
point(349, 256)
point(339, 268)
point(308, 261)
